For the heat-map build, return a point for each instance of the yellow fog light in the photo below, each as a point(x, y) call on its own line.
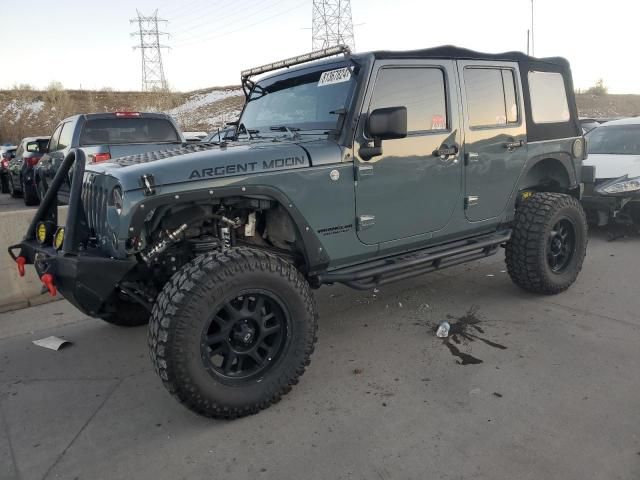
point(44, 232)
point(58, 238)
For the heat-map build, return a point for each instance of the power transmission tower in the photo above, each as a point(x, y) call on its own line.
point(332, 24)
point(151, 49)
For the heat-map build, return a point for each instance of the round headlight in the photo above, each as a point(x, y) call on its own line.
point(44, 232)
point(58, 238)
point(578, 148)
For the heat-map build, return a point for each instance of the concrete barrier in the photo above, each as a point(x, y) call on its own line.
point(19, 292)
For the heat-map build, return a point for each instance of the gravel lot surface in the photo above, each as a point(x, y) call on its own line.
point(529, 388)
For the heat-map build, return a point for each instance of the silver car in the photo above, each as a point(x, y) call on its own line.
point(614, 152)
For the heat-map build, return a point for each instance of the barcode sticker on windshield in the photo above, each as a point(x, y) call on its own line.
point(335, 76)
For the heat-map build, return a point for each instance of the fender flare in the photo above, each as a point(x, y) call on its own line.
point(315, 255)
point(562, 165)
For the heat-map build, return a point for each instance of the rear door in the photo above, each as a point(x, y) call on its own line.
point(44, 173)
point(15, 166)
point(409, 190)
point(495, 135)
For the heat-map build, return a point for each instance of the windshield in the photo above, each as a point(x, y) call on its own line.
point(301, 103)
point(114, 131)
point(616, 140)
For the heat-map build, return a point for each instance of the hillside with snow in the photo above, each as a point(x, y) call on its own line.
point(209, 109)
point(33, 112)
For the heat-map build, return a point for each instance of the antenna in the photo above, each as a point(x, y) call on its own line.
point(332, 24)
point(533, 48)
point(151, 50)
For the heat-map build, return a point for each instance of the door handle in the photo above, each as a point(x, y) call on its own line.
point(511, 146)
point(445, 151)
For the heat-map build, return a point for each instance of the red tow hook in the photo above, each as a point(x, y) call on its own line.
point(21, 261)
point(47, 280)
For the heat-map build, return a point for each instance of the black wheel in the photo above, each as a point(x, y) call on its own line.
point(12, 190)
point(4, 184)
point(548, 244)
point(40, 190)
point(29, 195)
point(231, 332)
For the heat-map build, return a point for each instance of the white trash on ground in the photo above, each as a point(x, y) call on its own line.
point(443, 329)
point(52, 343)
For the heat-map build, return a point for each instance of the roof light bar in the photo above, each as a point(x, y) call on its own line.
point(289, 62)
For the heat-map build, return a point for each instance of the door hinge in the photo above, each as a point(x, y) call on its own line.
point(366, 221)
point(471, 201)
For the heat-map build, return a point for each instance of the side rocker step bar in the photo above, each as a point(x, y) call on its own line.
point(408, 265)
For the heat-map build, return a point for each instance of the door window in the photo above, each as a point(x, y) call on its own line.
point(421, 90)
point(65, 136)
point(491, 97)
point(53, 143)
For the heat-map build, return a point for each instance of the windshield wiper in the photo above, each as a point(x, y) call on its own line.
point(248, 131)
point(284, 128)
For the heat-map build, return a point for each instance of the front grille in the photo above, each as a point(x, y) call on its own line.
point(94, 200)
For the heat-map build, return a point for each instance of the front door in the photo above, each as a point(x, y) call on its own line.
point(411, 189)
point(495, 136)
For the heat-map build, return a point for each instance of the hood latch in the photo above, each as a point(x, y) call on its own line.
point(148, 183)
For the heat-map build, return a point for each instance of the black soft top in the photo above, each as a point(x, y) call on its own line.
point(453, 52)
point(535, 132)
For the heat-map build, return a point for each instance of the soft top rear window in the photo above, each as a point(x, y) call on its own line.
point(115, 131)
point(548, 97)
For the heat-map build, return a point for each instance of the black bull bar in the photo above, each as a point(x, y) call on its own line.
point(86, 277)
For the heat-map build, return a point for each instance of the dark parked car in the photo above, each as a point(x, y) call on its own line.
point(7, 153)
point(105, 136)
point(589, 124)
point(21, 168)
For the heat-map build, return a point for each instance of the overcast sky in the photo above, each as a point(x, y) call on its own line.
point(87, 43)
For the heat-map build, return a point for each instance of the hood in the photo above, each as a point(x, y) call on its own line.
point(614, 166)
point(198, 162)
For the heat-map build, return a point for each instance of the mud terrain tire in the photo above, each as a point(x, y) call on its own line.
point(221, 291)
point(548, 244)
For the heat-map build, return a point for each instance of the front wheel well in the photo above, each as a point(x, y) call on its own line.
point(218, 224)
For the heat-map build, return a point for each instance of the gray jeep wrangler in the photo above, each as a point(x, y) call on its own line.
point(360, 169)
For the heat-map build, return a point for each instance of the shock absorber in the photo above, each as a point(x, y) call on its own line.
point(162, 245)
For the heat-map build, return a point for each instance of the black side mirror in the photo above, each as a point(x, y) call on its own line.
point(384, 124)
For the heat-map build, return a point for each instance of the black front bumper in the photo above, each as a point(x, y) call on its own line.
point(87, 280)
point(86, 277)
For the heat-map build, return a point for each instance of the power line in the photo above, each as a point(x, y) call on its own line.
point(332, 24)
point(151, 51)
point(229, 17)
point(240, 29)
